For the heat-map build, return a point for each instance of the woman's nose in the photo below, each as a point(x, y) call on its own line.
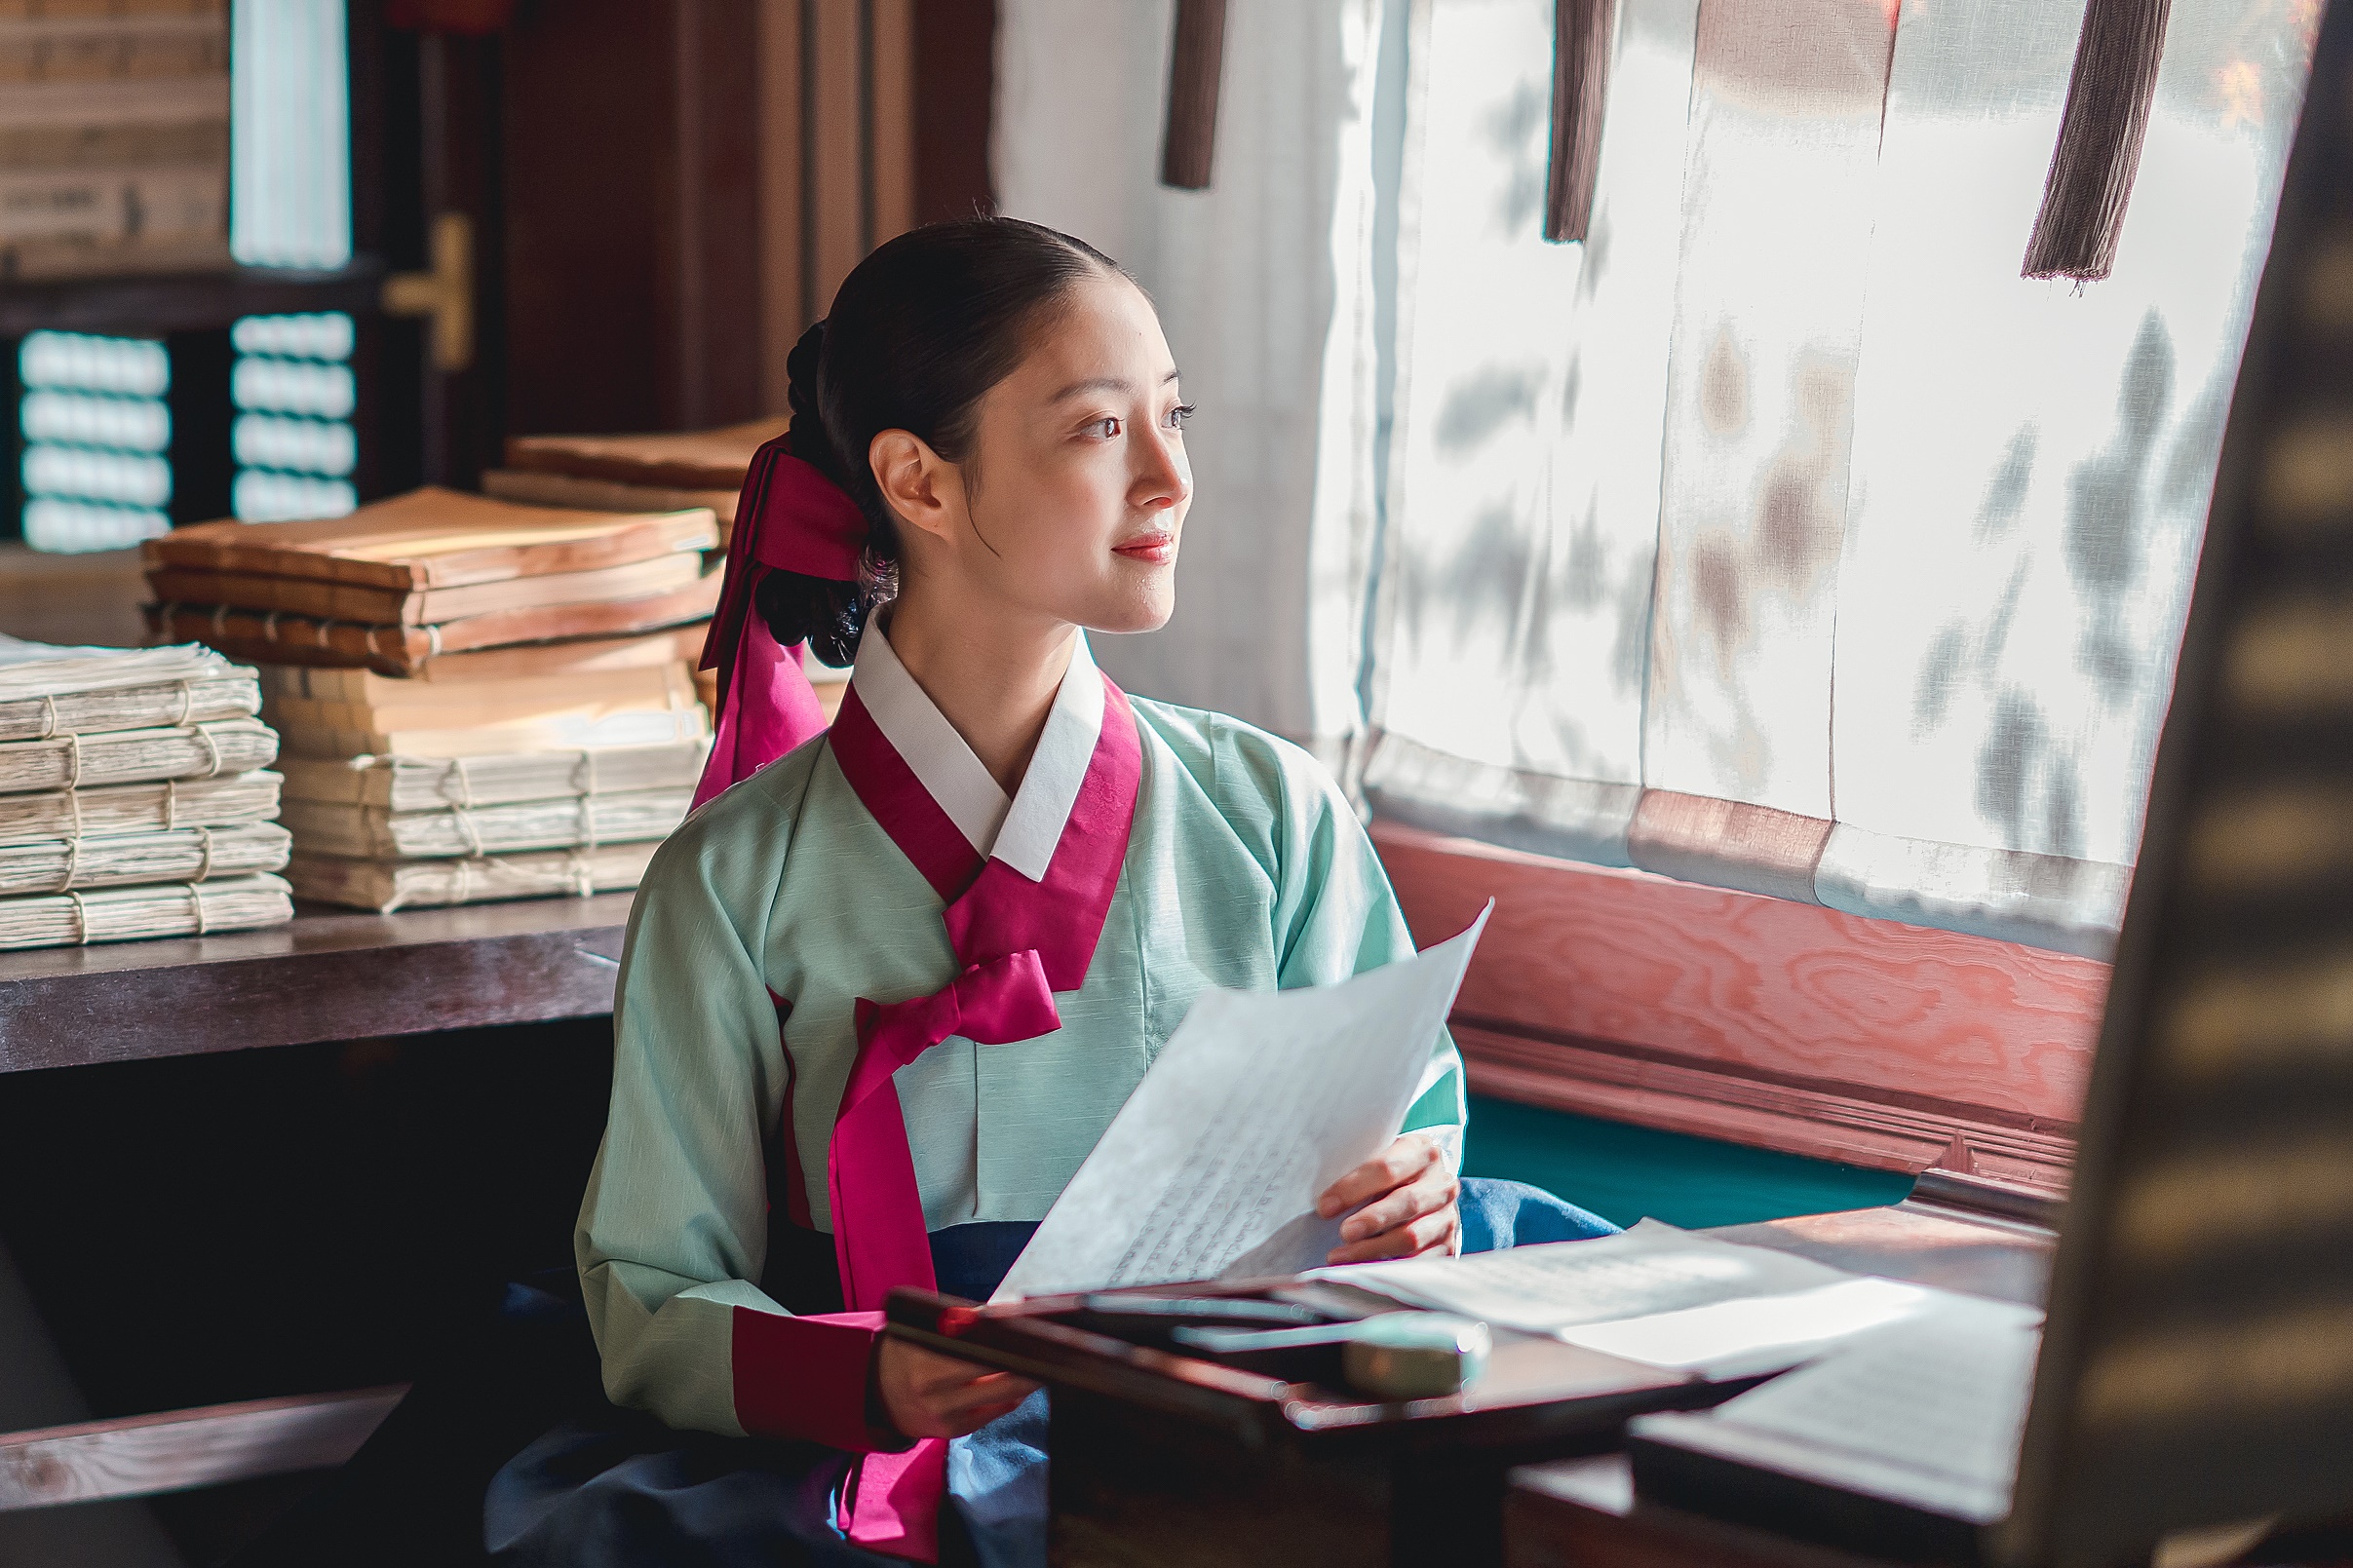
point(1167, 479)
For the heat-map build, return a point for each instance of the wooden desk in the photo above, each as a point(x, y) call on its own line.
point(1167, 1460)
point(326, 976)
point(1583, 1513)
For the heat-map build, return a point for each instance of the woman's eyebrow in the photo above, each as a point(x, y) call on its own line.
point(1104, 383)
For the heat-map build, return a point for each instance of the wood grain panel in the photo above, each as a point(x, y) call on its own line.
point(1933, 1028)
point(893, 115)
point(141, 1455)
point(952, 102)
point(838, 206)
point(1623, 1083)
point(784, 288)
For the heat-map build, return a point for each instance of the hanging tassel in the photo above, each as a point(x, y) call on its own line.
point(1582, 30)
point(2100, 139)
point(1195, 63)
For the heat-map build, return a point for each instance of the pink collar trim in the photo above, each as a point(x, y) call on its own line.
point(992, 909)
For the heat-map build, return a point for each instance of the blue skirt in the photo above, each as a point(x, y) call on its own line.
point(621, 1490)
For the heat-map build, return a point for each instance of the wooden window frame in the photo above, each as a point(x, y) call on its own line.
point(1782, 1025)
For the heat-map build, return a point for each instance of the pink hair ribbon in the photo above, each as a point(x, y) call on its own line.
point(790, 517)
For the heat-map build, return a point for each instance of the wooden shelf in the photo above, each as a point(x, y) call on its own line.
point(328, 975)
point(186, 303)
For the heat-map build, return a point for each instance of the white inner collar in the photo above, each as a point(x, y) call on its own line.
point(1021, 831)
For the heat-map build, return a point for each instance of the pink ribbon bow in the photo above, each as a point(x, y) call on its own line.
point(879, 1239)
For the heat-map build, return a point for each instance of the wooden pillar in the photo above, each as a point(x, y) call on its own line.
point(955, 80)
point(709, 285)
point(1583, 33)
point(1196, 67)
point(837, 176)
point(2109, 94)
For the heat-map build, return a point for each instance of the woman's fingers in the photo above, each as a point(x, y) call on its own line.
point(1406, 1157)
point(1430, 1191)
point(929, 1372)
point(1429, 1231)
point(969, 1406)
point(995, 1388)
point(927, 1394)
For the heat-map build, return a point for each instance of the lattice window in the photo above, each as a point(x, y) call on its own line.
point(95, 430)
point(294, 440)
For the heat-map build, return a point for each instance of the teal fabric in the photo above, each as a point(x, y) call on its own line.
point(1625, 1173)
point(1246, 868)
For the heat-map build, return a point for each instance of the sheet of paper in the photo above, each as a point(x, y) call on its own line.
point(1672, 1299)
point(1651, 1268)
point(1929, 1410)
point(1731, 1339)
point(1258, 1102)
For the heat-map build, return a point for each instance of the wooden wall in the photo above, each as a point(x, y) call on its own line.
point(630, 163)
point(685, 182)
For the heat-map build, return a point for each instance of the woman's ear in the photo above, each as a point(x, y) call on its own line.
point(921, 488)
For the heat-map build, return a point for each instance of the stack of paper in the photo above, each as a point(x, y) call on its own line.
point(533, 663)
point(452, 791)
point(1926, 1416)
point(388, 832)
point(133, 796)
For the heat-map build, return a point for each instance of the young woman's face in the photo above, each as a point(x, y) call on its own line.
point(1077, 484)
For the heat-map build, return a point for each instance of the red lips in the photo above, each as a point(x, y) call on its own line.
point(1159, 549)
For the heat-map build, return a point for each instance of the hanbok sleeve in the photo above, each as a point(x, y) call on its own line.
point(1336, 916)
point(674, 1227)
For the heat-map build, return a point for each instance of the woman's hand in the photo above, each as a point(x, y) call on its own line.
point(927, 1394)
point(1407, 1208)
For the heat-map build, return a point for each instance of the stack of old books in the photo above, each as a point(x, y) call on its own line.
point(702, 468)
point(478, 699)
point(643, 474)
point(134, 796)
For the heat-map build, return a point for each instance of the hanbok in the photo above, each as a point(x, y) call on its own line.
point(872, 1015)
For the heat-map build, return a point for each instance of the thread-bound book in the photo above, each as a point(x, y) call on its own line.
point(425, 784)
point(161, 807)
point(278, 637)
point(130, 914)
point(572, 822)
point(385, 886)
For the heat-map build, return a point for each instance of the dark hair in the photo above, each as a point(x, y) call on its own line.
point(920, 331)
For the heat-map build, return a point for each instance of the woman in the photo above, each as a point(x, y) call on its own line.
point(881, 997)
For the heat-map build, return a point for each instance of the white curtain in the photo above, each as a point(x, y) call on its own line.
point(1264, 286)
point(1780, 535)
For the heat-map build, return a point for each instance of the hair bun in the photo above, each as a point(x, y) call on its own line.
point(810, 441)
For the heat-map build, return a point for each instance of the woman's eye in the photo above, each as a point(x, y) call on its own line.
point(1180, 414)
point(1106, 426)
